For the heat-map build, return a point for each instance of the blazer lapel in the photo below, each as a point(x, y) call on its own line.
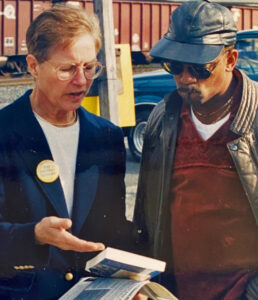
point(87, 172)
point(33, 148)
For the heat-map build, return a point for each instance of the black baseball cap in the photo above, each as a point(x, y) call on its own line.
point(197, 33)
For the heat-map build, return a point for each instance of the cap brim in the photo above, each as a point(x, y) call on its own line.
point(183, 52)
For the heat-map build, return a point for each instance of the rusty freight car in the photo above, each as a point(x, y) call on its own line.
point(138, 23)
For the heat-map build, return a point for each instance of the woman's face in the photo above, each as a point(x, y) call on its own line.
point(62, 96)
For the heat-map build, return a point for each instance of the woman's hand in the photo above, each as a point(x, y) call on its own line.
point(53, 231)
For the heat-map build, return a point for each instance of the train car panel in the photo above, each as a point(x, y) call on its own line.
point(1, 27)
point(245, 18)
point(9, 28)
point(24, 15)
point(145, 25)
point(255, 19)
point(136, 27)
point(116, 12)
point(155, 24)
point(165, 16)
point(38, 6)
point(124, 26)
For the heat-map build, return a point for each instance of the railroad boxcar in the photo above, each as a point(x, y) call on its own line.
point(138, 23)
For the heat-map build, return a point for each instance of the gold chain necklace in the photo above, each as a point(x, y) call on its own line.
point(62, 124)
point(225, 107)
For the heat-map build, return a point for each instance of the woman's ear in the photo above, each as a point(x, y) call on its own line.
point(231, 60)
point(32, 64)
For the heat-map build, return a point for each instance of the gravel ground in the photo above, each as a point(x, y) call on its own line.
point(11, 92)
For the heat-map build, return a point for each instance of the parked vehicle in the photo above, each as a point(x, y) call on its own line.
point(150, 87)
point(247, 45)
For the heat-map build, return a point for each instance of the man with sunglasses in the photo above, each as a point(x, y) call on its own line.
point(197, 197)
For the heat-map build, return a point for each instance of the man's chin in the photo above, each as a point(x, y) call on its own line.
point(185, 96)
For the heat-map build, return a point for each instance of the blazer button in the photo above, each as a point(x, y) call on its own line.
point(69, 276)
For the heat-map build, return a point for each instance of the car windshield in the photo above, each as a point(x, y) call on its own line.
point(248, 55)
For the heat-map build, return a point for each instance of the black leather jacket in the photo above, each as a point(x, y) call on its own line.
point(152, 207)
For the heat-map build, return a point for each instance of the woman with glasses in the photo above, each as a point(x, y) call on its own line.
point(62, 193)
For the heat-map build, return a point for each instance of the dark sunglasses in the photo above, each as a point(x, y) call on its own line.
point(197, 71)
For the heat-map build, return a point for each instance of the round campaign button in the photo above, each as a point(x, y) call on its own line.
point(47, 171)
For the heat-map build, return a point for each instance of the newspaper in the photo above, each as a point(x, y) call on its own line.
point(115, 288)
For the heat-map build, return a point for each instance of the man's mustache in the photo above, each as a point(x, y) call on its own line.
point(188, 90)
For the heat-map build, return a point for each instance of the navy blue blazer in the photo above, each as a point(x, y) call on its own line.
point(31, 271)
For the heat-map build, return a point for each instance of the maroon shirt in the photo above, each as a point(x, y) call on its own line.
point(213, 231)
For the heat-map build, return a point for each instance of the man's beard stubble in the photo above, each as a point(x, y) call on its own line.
point(189, 94)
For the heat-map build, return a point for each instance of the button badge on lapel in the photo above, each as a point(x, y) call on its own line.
point(47, 171)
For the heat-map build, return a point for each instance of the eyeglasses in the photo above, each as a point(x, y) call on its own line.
point(197, 71)
point(67, 72)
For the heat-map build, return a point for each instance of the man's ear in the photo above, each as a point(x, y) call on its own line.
point(231, 60)
point(32, 64)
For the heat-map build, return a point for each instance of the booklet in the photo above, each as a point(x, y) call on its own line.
point(113, 262)
point(120, 275)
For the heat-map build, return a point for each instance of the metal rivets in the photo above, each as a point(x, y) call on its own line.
point(234, 147)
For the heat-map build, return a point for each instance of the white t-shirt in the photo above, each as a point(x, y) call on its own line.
point(207, 130)
point(63, 143)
